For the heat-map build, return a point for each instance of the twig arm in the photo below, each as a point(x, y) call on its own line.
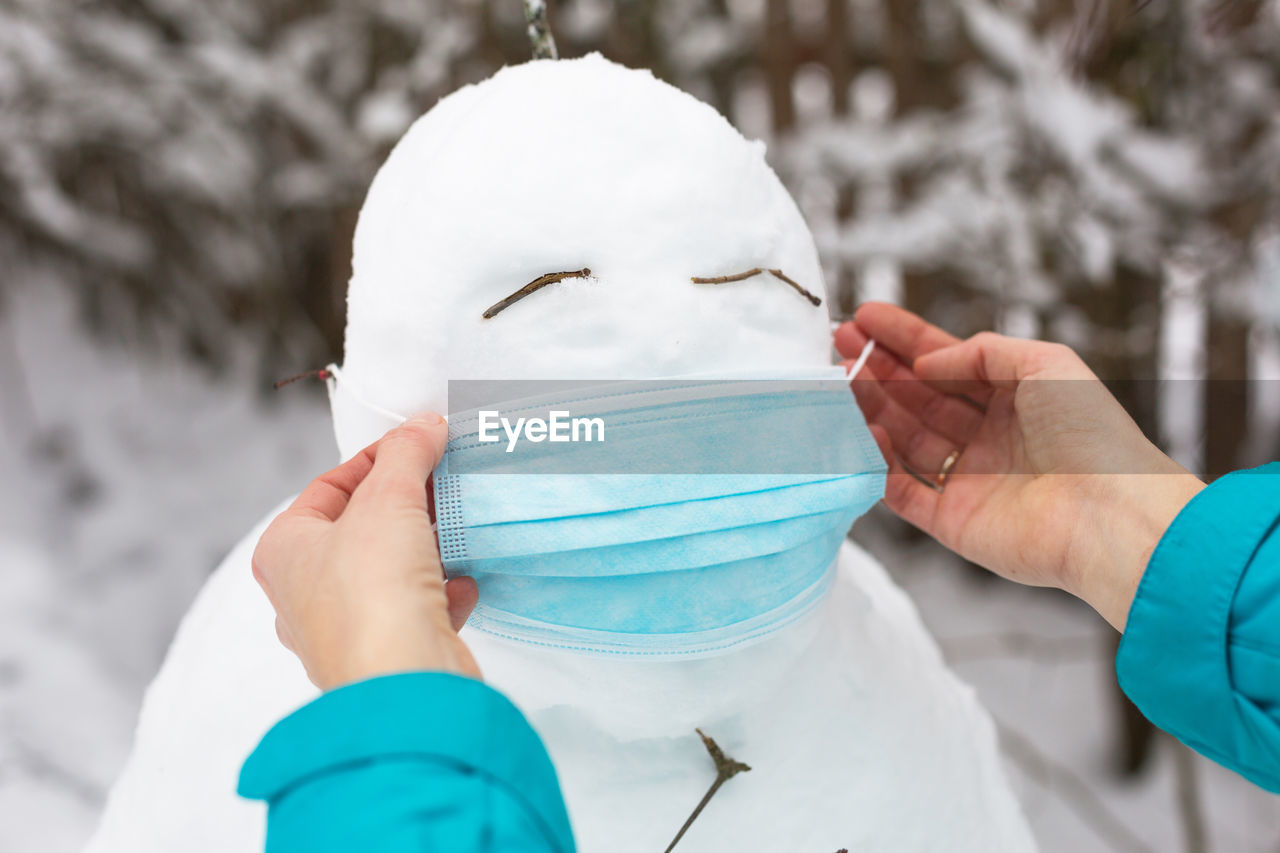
point(726, 769)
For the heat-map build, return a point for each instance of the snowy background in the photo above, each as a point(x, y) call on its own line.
point(178, 184)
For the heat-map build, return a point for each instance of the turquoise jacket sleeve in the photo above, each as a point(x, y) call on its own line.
point(422, 761)
point(1200, 656)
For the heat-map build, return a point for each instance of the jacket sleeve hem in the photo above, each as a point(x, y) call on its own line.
point(455, 721)
point(1173, 660)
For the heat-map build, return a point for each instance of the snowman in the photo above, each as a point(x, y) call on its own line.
point(856, 734)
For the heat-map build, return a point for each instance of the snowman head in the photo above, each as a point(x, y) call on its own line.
point(556, 166)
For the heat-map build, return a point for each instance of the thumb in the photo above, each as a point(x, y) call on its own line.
point(462, 594)
point(403, 460)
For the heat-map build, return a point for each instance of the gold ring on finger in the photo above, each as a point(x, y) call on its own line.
point(947, 465)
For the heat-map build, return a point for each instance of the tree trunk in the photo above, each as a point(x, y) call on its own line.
point(779, 63)
point(1226, 402)
point(1129, 304)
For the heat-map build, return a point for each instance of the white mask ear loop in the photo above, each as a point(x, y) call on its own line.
point(862, 360)
point(335, 376)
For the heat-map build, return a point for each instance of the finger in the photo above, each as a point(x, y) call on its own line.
point(462, 595)
point(953, 418)
point(920, 448)
point(327, 496)
point(849, 340)
point(909, 337)
point(904, 334)
point(997, 361)
point(909, 498)
point(404, 460)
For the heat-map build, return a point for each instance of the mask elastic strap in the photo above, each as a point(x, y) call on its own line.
point(862, 360)
point(335, 376)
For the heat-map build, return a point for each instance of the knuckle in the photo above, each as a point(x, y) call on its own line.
point(986, 338)
point(1059, 352)
point(282, 634)
point(256, 564)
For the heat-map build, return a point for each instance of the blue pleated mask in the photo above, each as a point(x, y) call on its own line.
point(709, 516)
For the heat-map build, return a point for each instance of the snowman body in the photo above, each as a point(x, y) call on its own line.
point(857, 734)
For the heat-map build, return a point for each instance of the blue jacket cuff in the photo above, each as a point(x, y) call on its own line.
point(1173, 658)
point(441, 717)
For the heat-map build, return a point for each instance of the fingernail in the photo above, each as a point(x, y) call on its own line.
point(426, 419)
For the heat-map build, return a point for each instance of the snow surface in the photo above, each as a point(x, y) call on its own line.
point(129, 471)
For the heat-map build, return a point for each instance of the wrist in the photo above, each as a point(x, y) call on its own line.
point(417, 645)
point(1128, 514)
point(353, 668)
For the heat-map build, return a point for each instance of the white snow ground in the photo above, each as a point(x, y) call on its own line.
point(130, 474)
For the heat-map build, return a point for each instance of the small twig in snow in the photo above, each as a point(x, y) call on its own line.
point(537, 284)
point(778, 274)
point(544, 44)
point(726, 769)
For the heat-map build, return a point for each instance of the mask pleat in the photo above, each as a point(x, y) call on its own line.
point(713, 519)
point(698, 599)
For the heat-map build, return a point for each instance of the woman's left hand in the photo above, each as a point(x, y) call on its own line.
point(353, 571)
point(1048, 481)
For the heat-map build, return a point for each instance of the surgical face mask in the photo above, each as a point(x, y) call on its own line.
point(709, 516)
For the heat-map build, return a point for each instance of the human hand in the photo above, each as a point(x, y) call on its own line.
point(353, 571)
point(1053, 483)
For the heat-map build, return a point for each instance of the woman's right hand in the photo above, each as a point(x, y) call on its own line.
point(1054, 484)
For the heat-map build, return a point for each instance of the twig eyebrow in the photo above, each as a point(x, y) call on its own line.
point(537, 284)
point(778, 274)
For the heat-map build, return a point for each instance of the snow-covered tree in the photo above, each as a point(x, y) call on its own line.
point(197, 165)
point(1036, 165)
